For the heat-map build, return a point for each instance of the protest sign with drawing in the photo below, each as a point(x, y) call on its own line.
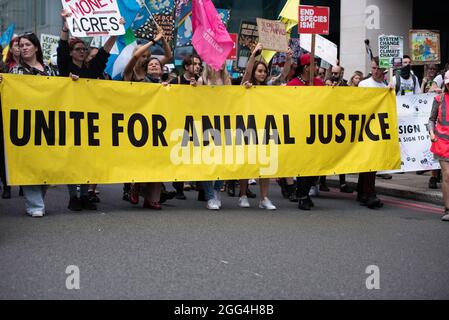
point(49, 45)
point(425, 47)
point(390, 48)
point(272, 35)
point(93, 18)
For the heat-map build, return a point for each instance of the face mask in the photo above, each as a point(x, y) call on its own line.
point(406, 71)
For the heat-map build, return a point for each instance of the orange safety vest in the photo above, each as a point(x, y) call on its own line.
point(441, 146)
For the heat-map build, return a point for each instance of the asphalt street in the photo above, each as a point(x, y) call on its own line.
point(188, 252)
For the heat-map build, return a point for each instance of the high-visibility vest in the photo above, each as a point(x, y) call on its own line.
point(441, 146)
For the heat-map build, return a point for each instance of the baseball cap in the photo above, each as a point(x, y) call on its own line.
point(304, 60)
point(446, 78)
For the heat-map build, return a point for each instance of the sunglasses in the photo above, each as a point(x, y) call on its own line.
point(80, 49)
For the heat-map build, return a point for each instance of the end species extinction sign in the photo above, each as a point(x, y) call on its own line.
point(93, 18)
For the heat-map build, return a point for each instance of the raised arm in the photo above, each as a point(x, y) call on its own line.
point(137, 54)
point(252, 59)
point(168, 54)
point(287, 65)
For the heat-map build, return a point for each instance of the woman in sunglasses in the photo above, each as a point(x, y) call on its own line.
point(31, 62)
point(72, 61)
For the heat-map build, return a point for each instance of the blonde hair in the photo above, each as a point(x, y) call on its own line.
point(213, 78)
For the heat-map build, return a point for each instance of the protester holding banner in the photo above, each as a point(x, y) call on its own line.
point(301, 78)
point(137, 68)
point(72, 55)
point(192, 66)
point(256, 73)
point(71, 59)
point(439, 134)
point(366, 186)
point(31, 62)
point(213, 78)
point(337, 81)
point(13, 56)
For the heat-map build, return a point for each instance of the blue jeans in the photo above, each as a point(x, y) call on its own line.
point(209, 188)
point(34, 198)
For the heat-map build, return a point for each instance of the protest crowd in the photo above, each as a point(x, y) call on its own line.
point(76, 60)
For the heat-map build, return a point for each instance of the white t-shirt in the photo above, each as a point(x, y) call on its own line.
point(371, 83)
point(407, 86)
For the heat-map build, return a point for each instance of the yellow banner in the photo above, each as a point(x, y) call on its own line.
point(58, 131)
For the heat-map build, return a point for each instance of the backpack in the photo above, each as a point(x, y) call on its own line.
point(398, 82)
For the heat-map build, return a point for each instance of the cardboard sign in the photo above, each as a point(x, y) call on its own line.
point(272, 35)
point(313, 20)
point(325, 49)
point(425, 47)
point(93, 18)
point(233, 53)
point(390, 48)
point(49, 45)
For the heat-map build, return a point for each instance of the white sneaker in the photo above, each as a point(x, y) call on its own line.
point(266, 204)
point(314, 191)
point(243, 202)
point(37, 214)
point(217, 198)
point(445, 217)
point(212, 205)
point(252, 182)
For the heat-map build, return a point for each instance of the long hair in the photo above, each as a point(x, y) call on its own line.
point(356, 73)
point(10, 57)
point(35, 41)
point(212, 77)
point(253, 73)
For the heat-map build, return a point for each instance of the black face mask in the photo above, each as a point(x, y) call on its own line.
point(335, 78)
point(406, 72)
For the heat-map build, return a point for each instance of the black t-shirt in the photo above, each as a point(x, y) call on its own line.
point(180, 80)
point(94, 70)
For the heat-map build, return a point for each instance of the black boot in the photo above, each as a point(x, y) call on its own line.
point(231, 188)
point(283, 184)
point(6, 192)
point(291, 189)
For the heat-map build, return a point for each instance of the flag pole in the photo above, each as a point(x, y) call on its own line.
point(143, 3)
point(312, 61)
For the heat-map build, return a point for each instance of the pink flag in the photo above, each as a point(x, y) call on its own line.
point(210, 38)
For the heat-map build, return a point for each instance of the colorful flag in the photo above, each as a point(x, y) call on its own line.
point(210, 38)
point(124, 46)
point(6, 39)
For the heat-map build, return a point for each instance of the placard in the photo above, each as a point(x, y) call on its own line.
point(93, 18)
point(425, 47)
point(272, 35)
point(390, 48)
point(313, 20)
point(324, 48)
